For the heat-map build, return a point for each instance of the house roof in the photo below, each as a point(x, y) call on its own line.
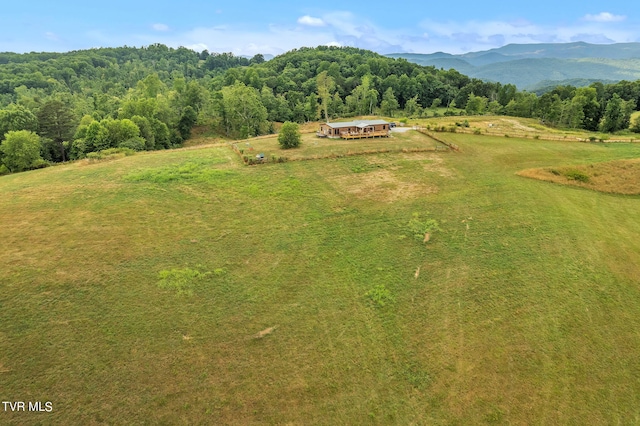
point(362, 123)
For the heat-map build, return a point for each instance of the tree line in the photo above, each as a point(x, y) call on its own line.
point(149, 98)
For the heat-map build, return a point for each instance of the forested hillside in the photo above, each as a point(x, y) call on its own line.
point(60, 106)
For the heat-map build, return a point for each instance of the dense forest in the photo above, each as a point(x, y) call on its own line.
point(60, 106)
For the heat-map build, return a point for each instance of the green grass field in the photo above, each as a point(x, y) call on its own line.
point(181, 287)
point(313, 147)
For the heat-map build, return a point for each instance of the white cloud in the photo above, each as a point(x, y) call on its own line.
point(344, 28)
point(311, 21)
point(160, 27)
point(461, 37)
point(198, 47)
point(604, 17)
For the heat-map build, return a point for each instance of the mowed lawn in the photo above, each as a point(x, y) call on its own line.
point(313, 147)
point(135, 291)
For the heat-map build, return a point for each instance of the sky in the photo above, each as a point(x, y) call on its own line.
point(274, 27)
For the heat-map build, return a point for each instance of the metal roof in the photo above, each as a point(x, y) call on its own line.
point(362, 123)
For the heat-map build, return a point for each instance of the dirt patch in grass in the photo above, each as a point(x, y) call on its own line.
point(381, 185)
point(616, 177)
point(433, 163)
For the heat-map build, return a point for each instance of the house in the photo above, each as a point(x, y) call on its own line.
point(355, 129)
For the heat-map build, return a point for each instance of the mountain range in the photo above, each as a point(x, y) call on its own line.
point(534, 67)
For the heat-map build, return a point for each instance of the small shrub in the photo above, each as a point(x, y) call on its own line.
point(577, 175)
point(419, 227)
point(123, 150)
point(592, 138)
point(555, 172)
point(477, 131)
point(182, 281)
point(135, 144)
point(111, 153)
point(40, 164)
point(380, 295)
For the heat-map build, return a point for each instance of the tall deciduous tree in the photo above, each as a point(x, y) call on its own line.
point(17, 117)
point(241, 107)
point(476, 104)
point(389, 102)
point(326, 85)
point(617, 114)
point(20, 148)
point(96, 137)
point(187, 121)
point(119, 131)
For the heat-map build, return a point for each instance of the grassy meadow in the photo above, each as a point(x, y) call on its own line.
point(313, 147)
point(182, 287)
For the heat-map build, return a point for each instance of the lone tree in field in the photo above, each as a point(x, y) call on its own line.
point(289, 136)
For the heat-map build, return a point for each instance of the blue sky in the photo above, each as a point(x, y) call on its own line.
point(250, 27)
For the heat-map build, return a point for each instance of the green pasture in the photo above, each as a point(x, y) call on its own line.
point(314, 147)
point(181, 287)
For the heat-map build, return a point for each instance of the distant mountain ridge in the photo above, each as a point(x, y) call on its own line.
point(530, 65)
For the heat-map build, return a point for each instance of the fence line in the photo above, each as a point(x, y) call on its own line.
point(451, 145)
point(250, 161)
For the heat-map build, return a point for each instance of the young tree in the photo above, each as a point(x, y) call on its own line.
point(119, 131)
point(389, 102)
point(617, 114)
point(412, 106)
point(336, 105)
point(325, 85)
point(20, 148)
point(636, 125)
point(96, 137)
point(476, 104)
point(187, 121)
point(289, 136)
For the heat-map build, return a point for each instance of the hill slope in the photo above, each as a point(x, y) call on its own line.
point(179, 287)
